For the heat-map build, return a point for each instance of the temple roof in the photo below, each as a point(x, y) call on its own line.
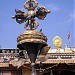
point(63, 54)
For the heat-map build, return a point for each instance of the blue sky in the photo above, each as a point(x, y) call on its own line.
point(58, 23)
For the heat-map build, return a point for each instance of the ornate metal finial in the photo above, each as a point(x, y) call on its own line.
point(29, 17)
point(57, 41)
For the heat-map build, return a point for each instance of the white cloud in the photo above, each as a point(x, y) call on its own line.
point(52, 7)
point(71, 16)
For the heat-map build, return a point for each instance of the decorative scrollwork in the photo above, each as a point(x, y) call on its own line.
point(42, 12)
point(30, 5)
point(29, 17)
point(57, 41)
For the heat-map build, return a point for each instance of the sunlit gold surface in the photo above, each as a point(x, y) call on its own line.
point(57, 41)
point(32, 36)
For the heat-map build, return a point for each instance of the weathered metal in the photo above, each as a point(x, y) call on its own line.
point(29, 17)
point(31, 40)
point(32, 36)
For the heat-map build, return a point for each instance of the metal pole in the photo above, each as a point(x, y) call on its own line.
point(30, 3)
point(33, 72)
point(0, 46)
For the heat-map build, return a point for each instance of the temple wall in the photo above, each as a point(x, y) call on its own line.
point(25, 71)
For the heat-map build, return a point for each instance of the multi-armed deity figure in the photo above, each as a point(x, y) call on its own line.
point(29, 17)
